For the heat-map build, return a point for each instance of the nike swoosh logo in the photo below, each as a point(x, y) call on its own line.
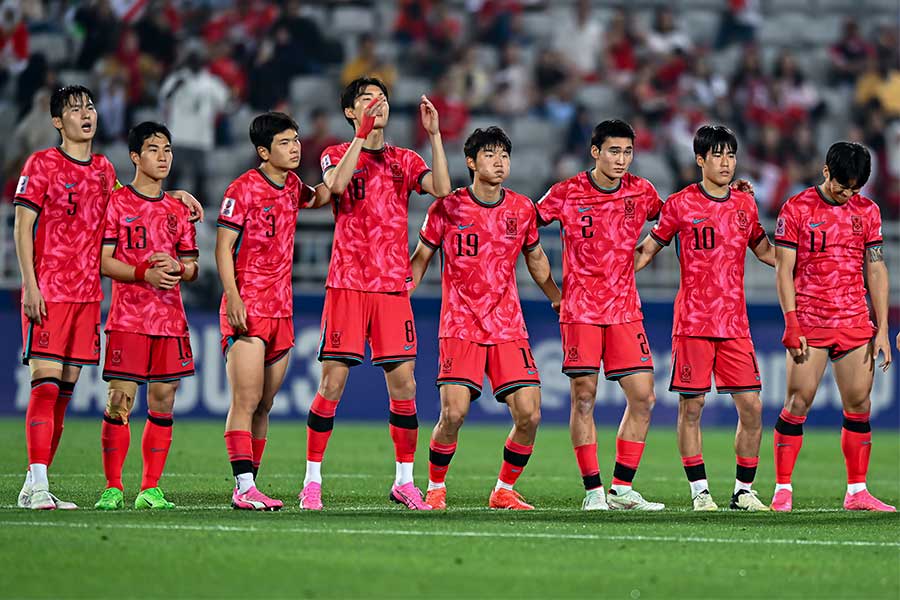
point(784, 445)
point(410, 347)
point(465, 226)
point(69, 186)
point(695, 221)
point(110, 449)
point(36, 423)
point(157, 449)
point(132, 219)
point(584, 209)
point(814, 225)
point(532, 372)
point(185, 363)
point(268, 208)
point(645, 358)
point(357, 171)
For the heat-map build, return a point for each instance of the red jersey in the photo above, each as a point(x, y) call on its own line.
point(138, 226)
point(264, 215)
point(70, 197)
point(600, 230)
point(831, 241)
point(711, 238)
point(371, 219)
point(480, 244)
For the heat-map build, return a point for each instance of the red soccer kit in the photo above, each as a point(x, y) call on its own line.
point(600, 316)
point(711, 237)
point(70, 197)
point(369, 276)
point(830, 241)
point(147, 331)
point(482, 328)
point(264, 215)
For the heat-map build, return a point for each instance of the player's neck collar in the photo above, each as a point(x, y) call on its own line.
point(479, 202)
point(73, 159)
point(710, 196)
point(144, 197)
point(375, 150)
point(269, 181)
point(825, 198)
point(590, 176)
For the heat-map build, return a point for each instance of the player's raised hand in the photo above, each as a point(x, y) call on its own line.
point(367, 123)
point(33, 304)
point(164, 261)
point(159, 278)
point(192, 203)
point(883, 346)
point(742, 185)
point(236, 312)
point(429, 116)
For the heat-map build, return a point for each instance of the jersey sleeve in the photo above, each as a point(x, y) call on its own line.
point(549, 207)
point(32, 187)
point(786, 228)
point(330, 158)
point(110, 227)
point(433, 228)
point(654, 203)
point(757, 234)
point(233, 212)
point(873, 229)
point(111, 180)
point(416, 170)
point(186, 246)
point(532, 237)
point(667, 226)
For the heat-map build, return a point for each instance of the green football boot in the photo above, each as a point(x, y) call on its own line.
point(111, 499)
point(152, 498)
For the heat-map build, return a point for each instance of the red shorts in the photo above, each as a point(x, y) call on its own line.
point(69, 334)
point(838, 341)
point(731, 360)
point(147, 358)
point(277, 333)
point(622, 348)
point(509, 366)
point(351, 317)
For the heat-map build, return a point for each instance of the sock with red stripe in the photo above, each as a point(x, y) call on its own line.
point(259, 446)
point(586, 456)
point(695, 469)
point(628, 459)
point(155, 444)
point(319, 424)
point(404, 427)
point(788, 441)
point(856, 444)
point(39, 426)
point(240, 453)
point(515, 457)
point(115, 438)
point(745, 472)
point(439, 457)
point(66, 389)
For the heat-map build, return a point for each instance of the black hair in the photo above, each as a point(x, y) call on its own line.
point(609, 129)
point(266, 126)
point(144, 131)
point(849, 163)
point(356, 88)
point(67, 96)
point(492, 138)
point(714, 138)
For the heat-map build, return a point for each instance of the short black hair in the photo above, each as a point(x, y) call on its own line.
point(67, 96)
point(609, 129)
point(714, 138)
point(144, 131)
point(849, 163)
point(492, 138)
point(356, 88)
point(266, 126)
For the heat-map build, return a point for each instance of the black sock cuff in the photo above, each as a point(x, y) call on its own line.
point(319, 423)
point(624, 473)
point(439, 459)
point(112, 421)
point(857, 426)
point(161, 421)
point(695, 472)
point(745, 474)
point(239, 467)
point(42, 380)
point(404, 421)
point(516, 459)
point(592, 482)
point(66, 387)
point(785, 428)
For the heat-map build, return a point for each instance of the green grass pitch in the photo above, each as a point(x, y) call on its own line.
point(363, 546)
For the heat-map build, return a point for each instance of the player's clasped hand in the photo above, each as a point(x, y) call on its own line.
point(33, 304)
point(160, 278)
point(236, 312)
point(164, 261)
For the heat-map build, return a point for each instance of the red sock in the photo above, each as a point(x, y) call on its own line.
point(788, 441)
point(515, 457)
point(259, 446)
point(155, 446)
point(115, 437)
point(404, 427)
point(240, 451)
point(66, 388)
point(746, 469)
point(586, 455)
point(439, 457)
point(319, 424)
point(628, 458)
point(39, 419)
point(856, 443)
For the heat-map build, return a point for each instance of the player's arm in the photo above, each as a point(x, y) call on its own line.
point(437, 182)
point(338, 178)
point(192, 203)
point(23, 232)
point(321, 196)
point(236, 311)
point(419, 262)
point(793, 338)
point(765, 251)
point(155, 275)
point(645, 252)
point(186, 267)
point(877, 277)
point(539, 268)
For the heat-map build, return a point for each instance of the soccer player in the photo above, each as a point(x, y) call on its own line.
point(254, 256)
point(828, 236)
point(713, 225)
point(149, 247)
point(601, 214)
point(61, 201)
point(366, 294)
point(480, 231)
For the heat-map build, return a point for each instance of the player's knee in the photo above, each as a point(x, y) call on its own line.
point(691, 407)
point(583, 399)
point(404, 390)
point(799, 402)
point(751, 416)
point(452, 418)
point(642, 405)
point(263, 408)
point(858, 405)
point(332, 385)
point(528, 421)
point(120, 399)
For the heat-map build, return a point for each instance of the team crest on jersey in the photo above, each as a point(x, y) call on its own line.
point(116, 357)
point(512, 226)
point(685, 373)
point(23, 185)
point(396, 171)
point(629, 208)
point(446, 365)
point(335, 339)
point(742, 220)
point(572, 354)
point(44, 339)
point(856, 222)
point(779, 226)
point(172, 223)
point(227, 207)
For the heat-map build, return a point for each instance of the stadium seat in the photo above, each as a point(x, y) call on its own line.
point(53, 46)
point(309, 89)
point(408, 90)
point(352, 20)
point(703, 25)
point(401, 130)
point(784, 31)
point(653, 166)
point(599, 97)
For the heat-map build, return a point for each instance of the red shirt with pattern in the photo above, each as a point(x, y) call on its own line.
point(480, 244)
point(371, 219)
point(831, 241)
point(138, 226)
point(711, 238)
point(70, 198)
point(600, 230)
point(264, 215)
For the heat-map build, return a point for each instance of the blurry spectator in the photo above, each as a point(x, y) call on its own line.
point(647, 96)
point(430, 34)
point(193, 98)
point(550, 74)
point(155, 37)
point(112, 107)
point(452, 109)
point(223, 66)
point(880, 83)
point(244, 22)
point(702, 86)
point(470, 80)
point(29, 81)
point(512, 83)
point(620, 51)
point(368, 62)
point(307, 46)
point(579, 130)
point(268, 81)
point(666, 37)
point(750, 90)
point(31, 133)
point(13, 41)
point(495, 21)
point(739, 23)
point(579, 39)
point(849, 55)
point(798, 98)
point(99, 30)
point(311, 146)
point(411, 25)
